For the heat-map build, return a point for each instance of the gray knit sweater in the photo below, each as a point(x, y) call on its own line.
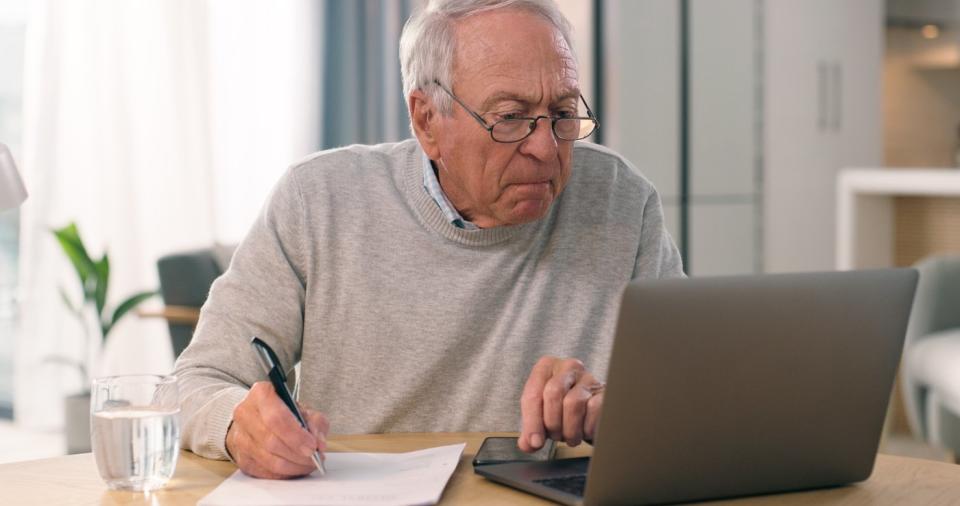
point(403, 322)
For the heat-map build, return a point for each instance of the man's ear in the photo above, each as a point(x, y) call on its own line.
point(424, 117)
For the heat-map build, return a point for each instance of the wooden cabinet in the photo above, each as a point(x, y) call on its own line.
point(822, 82)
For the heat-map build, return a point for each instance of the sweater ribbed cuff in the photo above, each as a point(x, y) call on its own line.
point(220, 416)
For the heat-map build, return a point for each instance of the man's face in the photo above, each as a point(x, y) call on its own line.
point(507, 63)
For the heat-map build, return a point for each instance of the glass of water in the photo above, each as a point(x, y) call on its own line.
point(135, 430)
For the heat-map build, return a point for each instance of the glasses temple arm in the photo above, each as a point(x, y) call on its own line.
point(465, 108)
point(589, 111)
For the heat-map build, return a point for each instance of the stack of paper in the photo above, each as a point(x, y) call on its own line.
point(352, 479)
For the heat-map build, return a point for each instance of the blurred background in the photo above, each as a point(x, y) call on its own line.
point(772, 129)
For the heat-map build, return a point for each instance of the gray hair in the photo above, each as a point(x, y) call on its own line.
point(427, 43)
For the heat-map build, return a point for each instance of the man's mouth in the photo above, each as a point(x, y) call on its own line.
point(532, 189)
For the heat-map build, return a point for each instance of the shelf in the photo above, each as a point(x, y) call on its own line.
point(865, 209)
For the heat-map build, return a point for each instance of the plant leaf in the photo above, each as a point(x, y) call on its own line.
point(125, 306)
point(72, 245)
point(69, 303)
point(102, 281)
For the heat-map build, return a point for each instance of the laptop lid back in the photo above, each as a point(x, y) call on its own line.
point(733, 386)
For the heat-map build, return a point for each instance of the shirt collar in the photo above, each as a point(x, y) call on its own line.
point(432, 185)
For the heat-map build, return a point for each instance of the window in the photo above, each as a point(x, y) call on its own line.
point(12, 35)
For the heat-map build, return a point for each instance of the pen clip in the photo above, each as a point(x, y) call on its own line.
point(268, 359)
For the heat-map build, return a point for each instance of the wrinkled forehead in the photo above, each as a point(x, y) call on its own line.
point(513, 45)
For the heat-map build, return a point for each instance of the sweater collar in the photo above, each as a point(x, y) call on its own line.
point(434, 219)
point(432, 185)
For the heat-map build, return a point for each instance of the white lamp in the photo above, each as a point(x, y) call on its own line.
point(12, 192)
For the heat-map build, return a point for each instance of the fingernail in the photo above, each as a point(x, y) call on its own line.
point(536, 440)
point(307, 451)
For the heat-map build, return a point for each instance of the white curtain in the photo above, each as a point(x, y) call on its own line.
point(158, 126)
point(265, 100)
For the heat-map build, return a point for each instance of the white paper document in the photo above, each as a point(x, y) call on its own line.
point(352, 479)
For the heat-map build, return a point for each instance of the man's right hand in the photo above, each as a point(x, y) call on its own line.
point(265, 439)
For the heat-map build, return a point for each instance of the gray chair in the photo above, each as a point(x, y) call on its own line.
point(930, 372)
point(185, 280)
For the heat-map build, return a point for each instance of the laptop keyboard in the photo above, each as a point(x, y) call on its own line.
point(569, 484)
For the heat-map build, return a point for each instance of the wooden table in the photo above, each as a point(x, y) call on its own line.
point(183, 315)
point(74, 480)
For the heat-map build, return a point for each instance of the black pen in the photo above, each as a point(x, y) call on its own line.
point(271, 364)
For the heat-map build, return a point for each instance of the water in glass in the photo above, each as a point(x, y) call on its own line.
point(136, 448)
point(134, 430)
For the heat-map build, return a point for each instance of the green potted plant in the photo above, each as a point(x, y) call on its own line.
point(96, 319)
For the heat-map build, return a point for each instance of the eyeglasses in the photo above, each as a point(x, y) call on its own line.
point(509, 130)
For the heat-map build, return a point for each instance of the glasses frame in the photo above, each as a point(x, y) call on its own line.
point(534, 121)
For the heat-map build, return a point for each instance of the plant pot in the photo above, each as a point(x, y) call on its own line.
point(77, 422)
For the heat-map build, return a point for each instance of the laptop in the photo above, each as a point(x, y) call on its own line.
point(732, 386)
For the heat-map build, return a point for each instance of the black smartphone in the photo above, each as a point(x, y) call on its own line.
point(498, 450)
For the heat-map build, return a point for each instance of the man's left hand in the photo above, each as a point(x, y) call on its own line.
point(560, 400)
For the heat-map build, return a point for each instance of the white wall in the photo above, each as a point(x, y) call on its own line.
point(641, 120)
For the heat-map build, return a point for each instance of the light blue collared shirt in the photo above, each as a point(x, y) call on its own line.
point(432, 185)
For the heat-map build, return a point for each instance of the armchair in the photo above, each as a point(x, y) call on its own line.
point(930, 372)
point(185, 280)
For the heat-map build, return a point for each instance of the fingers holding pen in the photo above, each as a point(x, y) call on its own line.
point(280, 424)
point(258, 457)
point(265, 439)
point(319, 426)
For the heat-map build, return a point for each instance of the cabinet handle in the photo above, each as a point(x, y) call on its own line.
point(822, 96)
point(836, 83)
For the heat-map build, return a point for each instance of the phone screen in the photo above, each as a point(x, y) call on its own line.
point(498, 450)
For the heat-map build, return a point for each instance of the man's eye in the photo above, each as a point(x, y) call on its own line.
point(511, 115)
point(566, 114)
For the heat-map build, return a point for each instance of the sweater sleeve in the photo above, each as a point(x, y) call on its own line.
point(658, 256)
point(261, 294)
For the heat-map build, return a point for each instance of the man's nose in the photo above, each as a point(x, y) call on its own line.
point(542, 143)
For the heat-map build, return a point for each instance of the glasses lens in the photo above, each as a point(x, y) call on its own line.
point(587, 127)
point(510, 130)
point(570, 129)
point(574, 128)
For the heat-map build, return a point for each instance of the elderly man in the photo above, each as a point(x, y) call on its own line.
point(467, 280)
